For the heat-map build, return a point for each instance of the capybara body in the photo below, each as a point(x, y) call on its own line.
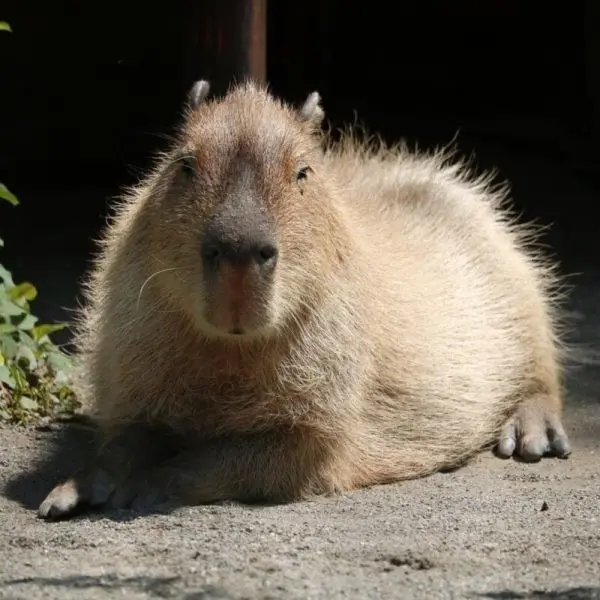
point(275, 315)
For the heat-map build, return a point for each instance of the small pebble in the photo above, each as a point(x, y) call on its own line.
point(46, 424)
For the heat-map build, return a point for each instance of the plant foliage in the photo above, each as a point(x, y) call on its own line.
point(35, 374)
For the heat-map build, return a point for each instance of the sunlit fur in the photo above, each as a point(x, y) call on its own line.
point(409, 315)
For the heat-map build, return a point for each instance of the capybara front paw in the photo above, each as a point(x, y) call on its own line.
point(140, 494)
point(86, 489)
point(61, 502)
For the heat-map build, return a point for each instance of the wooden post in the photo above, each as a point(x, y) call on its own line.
point(592, 62)
point(228, 42)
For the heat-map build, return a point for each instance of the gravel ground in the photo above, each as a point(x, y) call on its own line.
point(494, 529)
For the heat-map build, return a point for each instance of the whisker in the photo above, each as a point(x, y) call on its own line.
point(190, 267)
point(149, 279)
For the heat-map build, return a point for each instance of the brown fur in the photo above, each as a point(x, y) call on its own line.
point(409, 318)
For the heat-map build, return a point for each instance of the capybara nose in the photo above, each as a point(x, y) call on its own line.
point(259, 252)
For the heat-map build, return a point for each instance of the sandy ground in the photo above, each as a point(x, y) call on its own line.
point(494, 529)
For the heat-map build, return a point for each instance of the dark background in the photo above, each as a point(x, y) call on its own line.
point(88, 90)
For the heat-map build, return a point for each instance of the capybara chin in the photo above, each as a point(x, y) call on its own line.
point(275, 315)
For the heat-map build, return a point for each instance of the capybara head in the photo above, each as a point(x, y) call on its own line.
point(243, 213)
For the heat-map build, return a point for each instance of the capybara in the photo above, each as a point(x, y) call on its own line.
point(276, 314)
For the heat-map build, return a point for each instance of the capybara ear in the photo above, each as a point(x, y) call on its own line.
point(198, 94)
point(311, 110)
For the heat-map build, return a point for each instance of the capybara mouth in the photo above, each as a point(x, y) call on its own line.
point(237, 304)
point(235, 323)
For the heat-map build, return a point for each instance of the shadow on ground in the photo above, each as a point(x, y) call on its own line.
point(70, 447)
point(159, 587)
point(579, 593)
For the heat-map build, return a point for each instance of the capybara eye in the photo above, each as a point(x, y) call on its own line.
point(302, 173)
point(188, 166)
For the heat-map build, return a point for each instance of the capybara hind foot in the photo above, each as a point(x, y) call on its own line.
point(534, 431)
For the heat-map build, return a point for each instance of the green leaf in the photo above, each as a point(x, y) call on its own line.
point(1, 243)
point(10, 309)
point(10, 348)
point(41, 331)
point(27, 403)
point(23, 291)
point(6, 194)
point(27, 323)
point(59, 361)
point(6, 328)
point(25, 339)
point(6, 377)
point(4, 26)
point(6, 277)
point(27, 354)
